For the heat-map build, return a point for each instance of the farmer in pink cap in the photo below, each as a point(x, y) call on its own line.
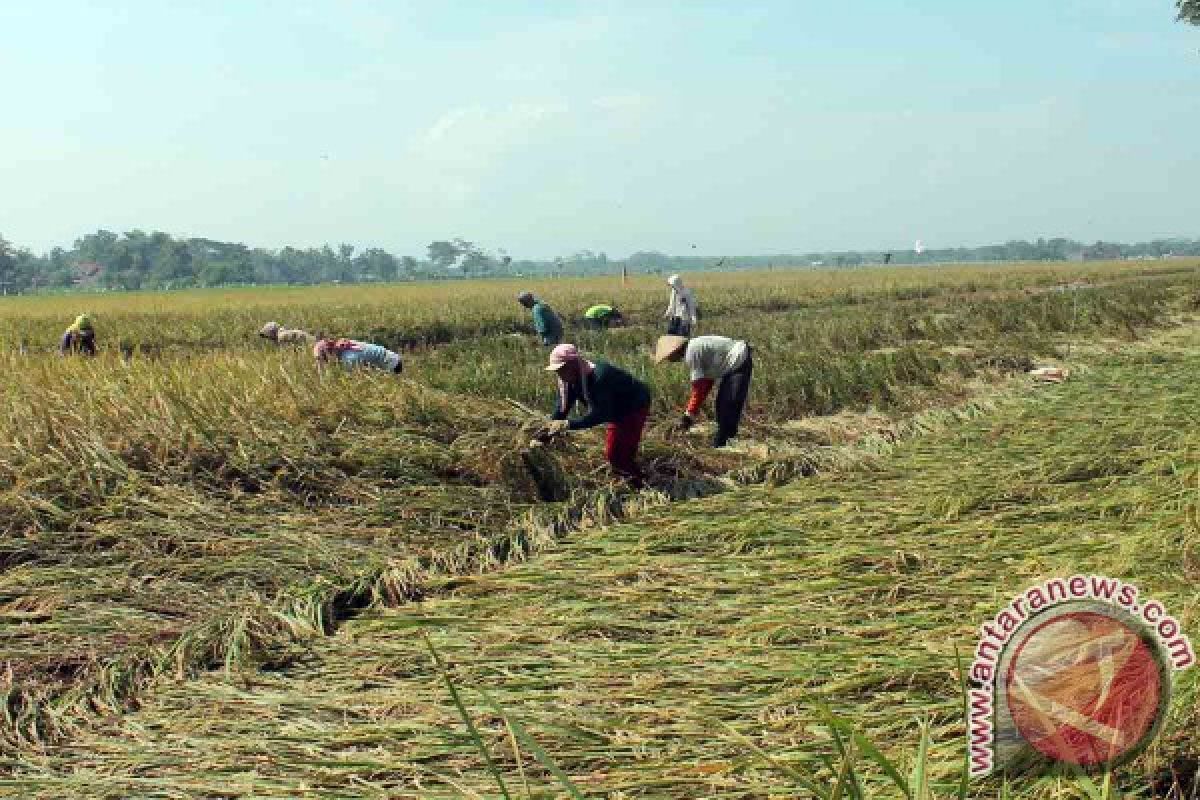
point(352, 354)
point(612, 396)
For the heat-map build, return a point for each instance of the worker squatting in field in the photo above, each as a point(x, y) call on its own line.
point(79, 338)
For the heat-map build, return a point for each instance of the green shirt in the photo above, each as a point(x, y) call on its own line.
point(547, 323)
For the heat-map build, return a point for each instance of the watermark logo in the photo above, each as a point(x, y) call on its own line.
point(1074, 670)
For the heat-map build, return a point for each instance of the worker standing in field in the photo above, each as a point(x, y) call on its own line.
point(80, 337)
point(709, 359)
point(280, 335)
point(612, 396)
point(545, 320)
point(681, 314)
point(353, 354)
point(602, 316)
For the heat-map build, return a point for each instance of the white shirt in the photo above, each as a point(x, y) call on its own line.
point(683, 304)
point(714, 357)
point(293, 336)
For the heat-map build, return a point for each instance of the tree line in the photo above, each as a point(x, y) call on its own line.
point(156, 260)
point(139, 260)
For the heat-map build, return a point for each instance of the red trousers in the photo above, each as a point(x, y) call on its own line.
point(622, 442)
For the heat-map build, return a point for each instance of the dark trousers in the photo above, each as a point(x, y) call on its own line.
point(731, 401)
point(678, 326)
point(83, 342)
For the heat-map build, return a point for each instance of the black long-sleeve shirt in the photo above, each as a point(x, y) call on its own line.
point(614, 394)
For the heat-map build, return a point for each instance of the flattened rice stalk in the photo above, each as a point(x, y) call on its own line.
point(220, 505)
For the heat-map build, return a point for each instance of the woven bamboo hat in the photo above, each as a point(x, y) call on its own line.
point(668, 346)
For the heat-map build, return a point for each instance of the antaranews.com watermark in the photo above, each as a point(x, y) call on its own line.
point(1075, 670)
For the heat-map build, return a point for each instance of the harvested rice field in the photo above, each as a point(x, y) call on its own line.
point(224, 575)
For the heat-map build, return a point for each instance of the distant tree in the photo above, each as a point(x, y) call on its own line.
point(1189, 11)
point(99, 248)
point(468, 256)
point(220, 273)
point(1106, 251)
point(173, 265)
point(121, 273)
point(140, 248)
point(502, 261)
point(328, 266)
point(409, 265)
point(30, 270)
point(58, 267)
point(389, 267)
point(649, 258)
point(475, 261)
point(341, 267)
point(582, 261)
point(471, 259)
point(443, 254)
point(8, 266)
point(376, 264)
point(266, 266)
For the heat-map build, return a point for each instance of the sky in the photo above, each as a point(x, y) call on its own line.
point(544, 128)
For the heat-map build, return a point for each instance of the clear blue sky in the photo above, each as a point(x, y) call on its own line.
point(542, 128)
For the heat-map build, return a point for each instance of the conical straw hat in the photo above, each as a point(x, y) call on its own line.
point(668, 346)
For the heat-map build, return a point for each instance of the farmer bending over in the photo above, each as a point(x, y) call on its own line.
point(279, 335)
point(545, 321)
point(352, 354)
point(602, 316)
point(709, 359)
point(611, 396)
point(79, 338)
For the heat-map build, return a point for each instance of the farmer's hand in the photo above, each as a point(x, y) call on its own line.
point(551, 429)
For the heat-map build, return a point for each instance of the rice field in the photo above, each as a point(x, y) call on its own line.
point(196, 500)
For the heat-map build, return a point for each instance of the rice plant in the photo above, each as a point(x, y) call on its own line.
point(195, 499)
